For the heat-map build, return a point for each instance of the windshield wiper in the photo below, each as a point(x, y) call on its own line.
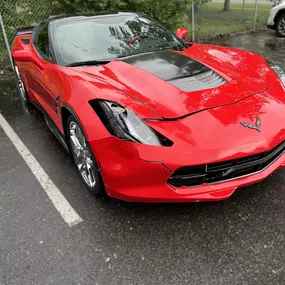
point(151, 50)
point(88, 62)
point(165, 48)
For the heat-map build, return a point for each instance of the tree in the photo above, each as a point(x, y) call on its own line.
point(243, 3)
point(169, 12)
point(226, 6)
point(23, 13)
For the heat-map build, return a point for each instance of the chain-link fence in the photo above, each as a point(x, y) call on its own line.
point(211, 19)
point(17, 13)
point(207, 18)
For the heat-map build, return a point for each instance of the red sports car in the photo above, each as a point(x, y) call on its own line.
point(147, 116)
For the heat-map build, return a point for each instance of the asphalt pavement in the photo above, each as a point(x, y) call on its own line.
point(236, 241)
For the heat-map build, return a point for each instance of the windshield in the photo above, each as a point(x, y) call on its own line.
point(104, 38)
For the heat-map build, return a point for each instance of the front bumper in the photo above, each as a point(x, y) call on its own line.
point(138, 172)
point(272, 13)
point(127, 176)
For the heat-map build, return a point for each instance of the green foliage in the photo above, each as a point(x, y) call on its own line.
point(23, 13)
point(169, 12)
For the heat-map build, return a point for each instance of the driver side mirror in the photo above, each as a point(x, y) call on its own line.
point(26, 55)
point(181, 33)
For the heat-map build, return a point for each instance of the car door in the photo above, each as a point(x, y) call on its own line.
point(45, 81)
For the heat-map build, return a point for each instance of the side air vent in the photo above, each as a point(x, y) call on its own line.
point(200, 81)
point(25, 41)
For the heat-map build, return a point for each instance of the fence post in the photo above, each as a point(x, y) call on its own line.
point(193, 21)
point(255, 16)
point(6, 41)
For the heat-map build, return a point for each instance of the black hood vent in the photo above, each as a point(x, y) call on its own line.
point(179, 70)
point(203, 80)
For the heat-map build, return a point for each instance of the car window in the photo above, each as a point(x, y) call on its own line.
point(109, 37)
point(42, 42)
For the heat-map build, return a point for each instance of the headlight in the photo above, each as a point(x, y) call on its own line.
point(126, 125)
point(278, 70)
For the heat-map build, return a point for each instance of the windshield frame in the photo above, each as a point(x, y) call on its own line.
point(53, 43)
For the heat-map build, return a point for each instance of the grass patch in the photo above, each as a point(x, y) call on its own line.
point(210, 21)
point(239, 5)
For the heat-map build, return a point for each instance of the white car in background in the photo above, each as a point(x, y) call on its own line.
point(276, 19)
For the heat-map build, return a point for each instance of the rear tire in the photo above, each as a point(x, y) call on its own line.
point(20, 85)
point(83, 157)
point(280, 26)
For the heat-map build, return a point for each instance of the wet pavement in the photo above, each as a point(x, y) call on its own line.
point(257, 43)
point(237, 241)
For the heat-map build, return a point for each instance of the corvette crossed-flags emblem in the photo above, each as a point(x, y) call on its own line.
point(255, 126)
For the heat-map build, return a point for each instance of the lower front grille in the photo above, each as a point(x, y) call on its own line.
point(222, 171)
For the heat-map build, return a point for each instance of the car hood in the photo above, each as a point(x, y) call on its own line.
point(251, 126)
point(175, 84)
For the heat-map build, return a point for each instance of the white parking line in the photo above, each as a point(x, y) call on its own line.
point(61, 204)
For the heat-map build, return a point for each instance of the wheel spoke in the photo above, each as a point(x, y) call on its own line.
point(90, 162)
point(83, 170)
point(75, 145)
point(90, 175)
point(80, 136)
point(80, 166)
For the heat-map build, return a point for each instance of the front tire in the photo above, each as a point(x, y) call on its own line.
point(280, 26)
point(83, 157)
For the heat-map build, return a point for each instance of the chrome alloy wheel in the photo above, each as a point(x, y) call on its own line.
point(81, 154)
point(20, 84)
point(281, 27)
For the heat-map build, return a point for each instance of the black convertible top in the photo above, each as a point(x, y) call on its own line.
point(24, 31)
point(87, 14)
point(28, 30)
point(80, 16)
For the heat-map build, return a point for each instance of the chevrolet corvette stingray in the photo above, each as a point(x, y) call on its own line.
point(148, 116)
